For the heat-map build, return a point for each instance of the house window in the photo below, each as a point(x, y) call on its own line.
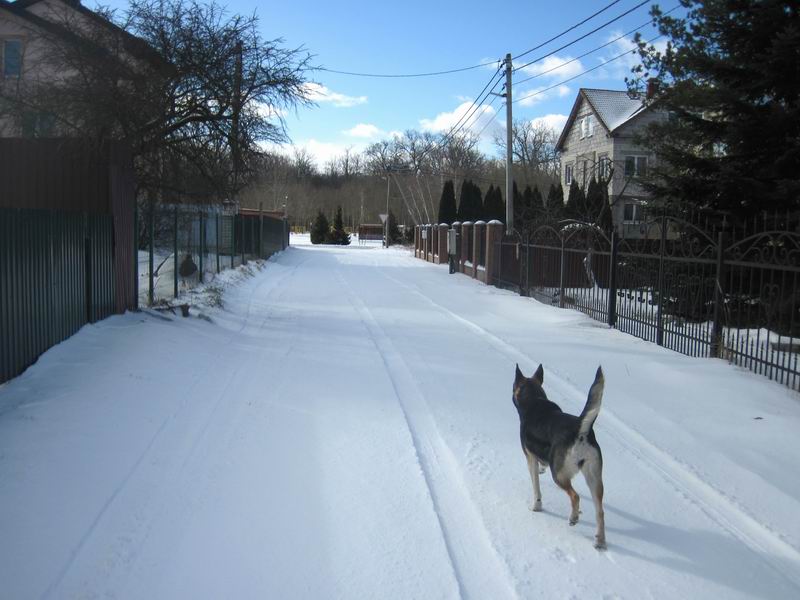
point(604, 167)
point(633, 213)
point(635, 166)
point(589, 126)
point(12, 58)
point(567, 174)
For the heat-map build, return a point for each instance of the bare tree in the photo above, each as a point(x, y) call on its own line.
point(533, 147)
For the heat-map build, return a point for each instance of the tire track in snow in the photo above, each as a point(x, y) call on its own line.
point(710, 501)
point(479, 571)
point(173, 417)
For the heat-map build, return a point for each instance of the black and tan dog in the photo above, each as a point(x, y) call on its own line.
point(565, 442)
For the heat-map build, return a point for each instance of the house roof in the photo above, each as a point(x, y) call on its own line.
point(136, 46)
point(613, 109)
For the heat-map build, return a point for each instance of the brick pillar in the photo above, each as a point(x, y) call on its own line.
point(494, 233)
point(467, 250)
point(457, 226)
point(434, 258)
point(478, 235)
point(443, 258)
point(428, 236)
point(417, 239)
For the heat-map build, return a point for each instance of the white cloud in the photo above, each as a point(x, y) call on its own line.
point(561, 67)
point(445, 121)
point(554, 121)
point(364, 130)
point(319, 93)
point(269, 112)
point(533, 96)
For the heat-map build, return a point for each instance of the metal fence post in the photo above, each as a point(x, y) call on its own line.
point(151, 235)
point(716, 333)
point(527, 264)
point(659, 310)
point(612, 281)
point(233, 239)
point(242, 239)
point(260, 230)
point(216, 237)
point(561, 275)
point(136, 254)
point(202, 251)
point(175, 252)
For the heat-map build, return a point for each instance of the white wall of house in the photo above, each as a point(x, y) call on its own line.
point(591, 150)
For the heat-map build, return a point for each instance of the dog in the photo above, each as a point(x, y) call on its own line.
point(564, 442)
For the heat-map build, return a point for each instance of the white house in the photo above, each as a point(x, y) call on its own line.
point(598, 141)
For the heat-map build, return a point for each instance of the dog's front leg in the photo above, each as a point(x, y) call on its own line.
point(533, 469)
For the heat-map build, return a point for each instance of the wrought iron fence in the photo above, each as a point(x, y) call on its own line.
point(706, 291)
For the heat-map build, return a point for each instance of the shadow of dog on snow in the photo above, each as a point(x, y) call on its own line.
point(565, 443)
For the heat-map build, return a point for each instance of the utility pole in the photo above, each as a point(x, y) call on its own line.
point(509, 158)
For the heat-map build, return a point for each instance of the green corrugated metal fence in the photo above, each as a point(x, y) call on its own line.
point(56, 274)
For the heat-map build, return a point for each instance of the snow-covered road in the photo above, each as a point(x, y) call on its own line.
point(343, 428)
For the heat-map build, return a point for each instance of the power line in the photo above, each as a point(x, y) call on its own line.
point(399, 75)
point(584, 36)
point(561, 65)
point(479, 65)
point(476, 104)
point(566, 31)
point(651, 40)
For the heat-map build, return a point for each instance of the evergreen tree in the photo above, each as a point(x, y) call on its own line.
point(500, 205)
point(320, 229)
point(493, 205)
point(487, 209)
point(338, 235)
point(596, 202)
point(448, 213)
point(477, 203)
point(576, 202)
point(554, 205)
point(470, 203)
point(537, 201)
point(393, 231)
point(729, 81)
point(463, 202)
point(519, 207)
point(528, 208)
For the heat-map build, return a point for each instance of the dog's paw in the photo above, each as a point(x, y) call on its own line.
point(600, 545)
point(573, 519)
point(537, 506)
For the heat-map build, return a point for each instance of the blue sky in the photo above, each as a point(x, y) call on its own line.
point(422, 36)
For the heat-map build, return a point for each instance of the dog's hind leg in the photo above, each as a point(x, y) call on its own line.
point(593, 473)
point(575, 500)
point(533, 469)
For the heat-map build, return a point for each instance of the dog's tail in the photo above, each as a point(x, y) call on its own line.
point(592, 408)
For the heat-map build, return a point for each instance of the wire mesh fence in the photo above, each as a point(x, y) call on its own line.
point(181, 247)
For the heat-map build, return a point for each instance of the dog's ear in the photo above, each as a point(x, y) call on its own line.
point(518, 376)
point(538, 377)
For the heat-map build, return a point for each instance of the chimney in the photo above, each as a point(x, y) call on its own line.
point(652, 88)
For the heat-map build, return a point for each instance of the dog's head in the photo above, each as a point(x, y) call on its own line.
point(528, 389)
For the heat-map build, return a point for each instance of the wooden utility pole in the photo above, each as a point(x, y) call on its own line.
point(509, 157)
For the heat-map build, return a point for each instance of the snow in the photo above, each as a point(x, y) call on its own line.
point(342, 427)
